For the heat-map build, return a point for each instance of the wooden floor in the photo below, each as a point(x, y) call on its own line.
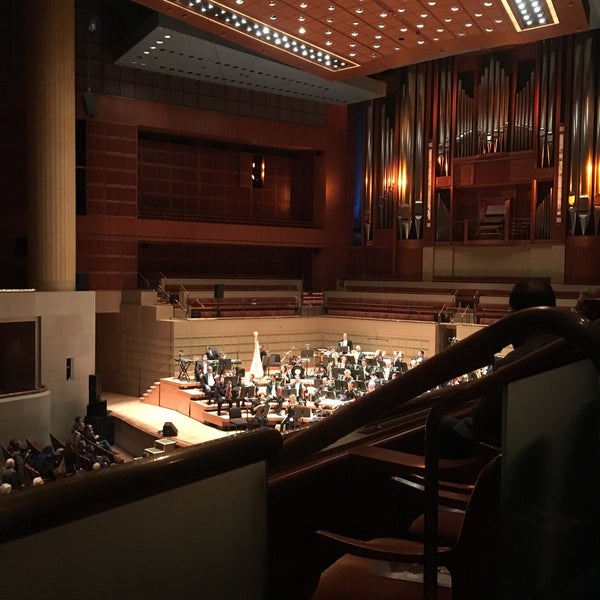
point(150, 418)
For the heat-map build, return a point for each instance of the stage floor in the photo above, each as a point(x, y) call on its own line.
point(151, 419)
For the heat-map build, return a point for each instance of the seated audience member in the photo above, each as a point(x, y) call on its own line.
point(37, 481)
point(9, 474)
point(484, 424)
point(15, 450)
point(5, 488)
point(45, 462)
point(91, 436)
point(77, 431)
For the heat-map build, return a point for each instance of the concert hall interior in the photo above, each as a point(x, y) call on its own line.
point(266, 266)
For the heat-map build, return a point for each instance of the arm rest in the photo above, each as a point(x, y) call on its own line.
point(452, 495)
point(402, 463)
point(392, 549)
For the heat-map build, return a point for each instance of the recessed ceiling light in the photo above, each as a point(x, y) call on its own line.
point(352, 54)
point(454, 8)
point(331, 7)
point(301, 18)
point(301, 31)
point(272, 3)
point(328, 32)
point(383, 14)
point(489, 29)
point(440, 30)
point(448, 20)
point(403, 29)
point(329, 20)
point(421, 42)
point(328, 43)
point(376, 45)
point(358, 10)
point(488, 4)
point(239, 1)
point(468, 24)
point(352, 45)
point(303, 4)
point(479, 15)
point(381, 26)
point(420, 25)
point(423, 15)
point(378, 36)
point(354, 34)
point(273, 17)
point(401, 10)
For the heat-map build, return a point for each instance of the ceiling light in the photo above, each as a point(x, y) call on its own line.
point(358, 11)
point(228, 17)
point(303, 4)
point(329, 20)
point(528, 14)
point(354, 34)
point(301, 18)
point(383, 14)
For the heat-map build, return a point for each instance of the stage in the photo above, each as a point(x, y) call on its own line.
point(146, 421)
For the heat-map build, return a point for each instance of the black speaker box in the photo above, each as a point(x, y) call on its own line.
point(97, 409)
point(95, 388)
point(169, 430)
point(219, 290)
point(89, 103)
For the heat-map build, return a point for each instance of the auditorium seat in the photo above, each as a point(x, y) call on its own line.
point(370, 569)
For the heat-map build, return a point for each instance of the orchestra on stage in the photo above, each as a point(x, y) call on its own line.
point(299, 388)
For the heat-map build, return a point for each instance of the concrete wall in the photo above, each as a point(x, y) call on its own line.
point(67, 329)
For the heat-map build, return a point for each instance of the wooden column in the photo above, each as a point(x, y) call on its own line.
point(50, 106)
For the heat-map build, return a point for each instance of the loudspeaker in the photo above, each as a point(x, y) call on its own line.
point(97, 408)
point(169, 430)
point(89, 103)
point(219, 290)
point(95, 389)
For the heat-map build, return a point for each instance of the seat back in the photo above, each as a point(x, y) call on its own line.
point(235, 412)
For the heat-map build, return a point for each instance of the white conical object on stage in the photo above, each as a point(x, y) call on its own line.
point(256, 367)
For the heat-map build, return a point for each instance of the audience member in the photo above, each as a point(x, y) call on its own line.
point(5, 488)
point(484, 423)
point(9, 474)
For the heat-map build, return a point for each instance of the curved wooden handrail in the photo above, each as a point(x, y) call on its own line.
point(35, 509)
point(465, 356)
point(37, 390)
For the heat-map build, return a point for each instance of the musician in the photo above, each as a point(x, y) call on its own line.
point(364, 370)
point(299, 389)
point(201, 367)
point(398, 362)
point(221, 393)
point(285, 376)
point(272, 387)
point(387, 369)
point(351, 393)
point(420, 357)
point(345, 344)
point(358, 354)
point(207, 382)
point(213, 354)
point(325, 387)
point(372, 385)
point(289, 421)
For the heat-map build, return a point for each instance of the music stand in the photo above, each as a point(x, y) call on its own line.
point(183, 363)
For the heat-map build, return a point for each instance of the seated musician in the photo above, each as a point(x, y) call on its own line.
point(272, 387)
point(221, 393)
point(207, 383)
point(364, 370)
point(201, 367)
point(325, 388)
point(299, 389)
point(372, 385)
point(346, 376)
point(351, 393)
point(285, 375)
point(387, 369)
point(289, 421)
point(398, 362)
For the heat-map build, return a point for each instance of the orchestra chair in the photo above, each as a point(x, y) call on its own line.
point(236, 420)
point(274, 361)
point(363, 572)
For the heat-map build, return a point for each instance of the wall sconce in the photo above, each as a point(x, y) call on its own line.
point(258, 170)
